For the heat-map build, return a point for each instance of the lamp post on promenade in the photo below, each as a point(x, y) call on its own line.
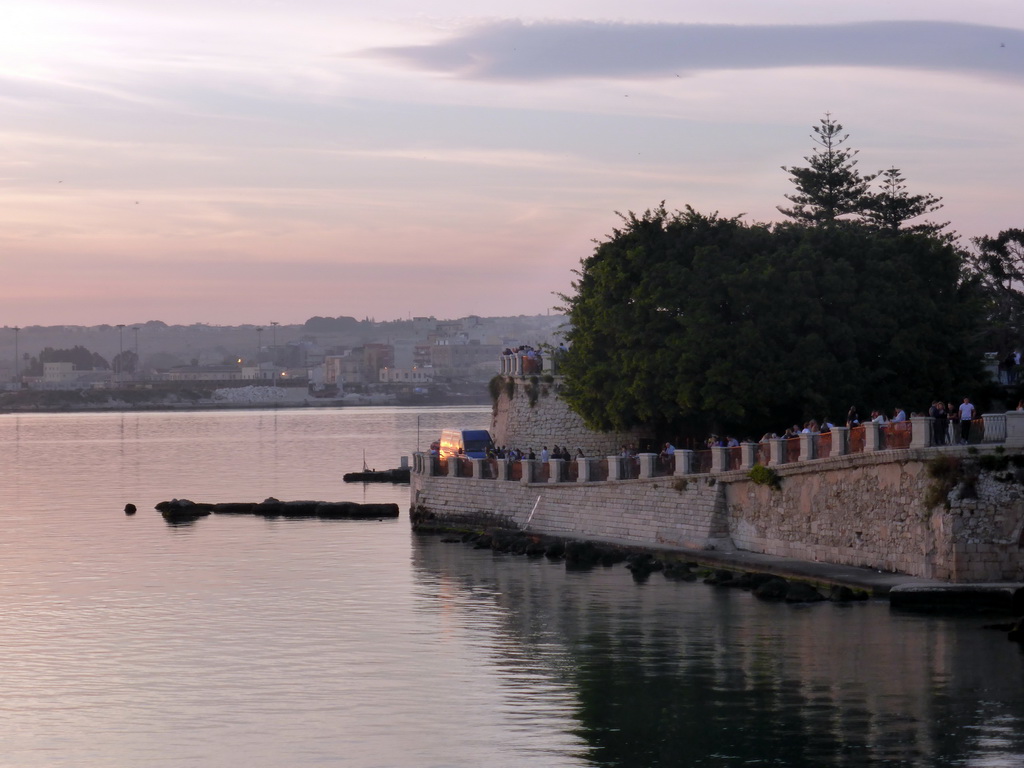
point(17, 377)
point(273, 346)
point(136, 372)
point(259, 346)
point(119, 370)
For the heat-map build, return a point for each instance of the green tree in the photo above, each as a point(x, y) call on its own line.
point(829, 186)
point(83, 359)
point(125, 362)
point(892, 206)
point(997, 267)
point(689, 322)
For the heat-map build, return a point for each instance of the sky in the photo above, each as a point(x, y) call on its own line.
point(249, 161)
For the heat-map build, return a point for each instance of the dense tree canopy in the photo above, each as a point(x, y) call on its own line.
point(83, 359)
point(997, 266)
point(690, 322)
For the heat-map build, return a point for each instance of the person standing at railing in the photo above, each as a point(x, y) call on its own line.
point(966, 416)
point(899, 415)
point(953, 415)
point(940, 423)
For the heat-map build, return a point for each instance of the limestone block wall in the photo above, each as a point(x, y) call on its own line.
point(861, 510)
point(985, 531)
point(858, 510)
point(534, 416)
point(647, 513)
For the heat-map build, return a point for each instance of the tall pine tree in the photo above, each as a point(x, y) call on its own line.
point(830, 186)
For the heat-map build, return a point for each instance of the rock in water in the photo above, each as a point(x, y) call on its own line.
point(129, 509)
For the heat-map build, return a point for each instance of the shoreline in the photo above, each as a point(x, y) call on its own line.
point(121, 407)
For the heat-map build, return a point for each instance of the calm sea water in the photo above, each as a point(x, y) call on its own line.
point(239, 641)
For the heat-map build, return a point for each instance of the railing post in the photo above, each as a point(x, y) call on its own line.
point(777, 450)
point(478, 468)
point(453, 466)
point(719, 458)
point(748, 455)
point(872, 436)
point(647, 462)
point(684, 461)
point(840, 441)
point(1015, 429)
point(528, 471)
point(806, 447)
point(585, 469)
point(922, 431)
point(614, 468)
point(503, 469)
point(555, 470)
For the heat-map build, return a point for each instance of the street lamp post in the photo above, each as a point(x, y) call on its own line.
point(273, 346)
point(17, 377)
point(136, 371)
point(119, 371)
point(259, 346)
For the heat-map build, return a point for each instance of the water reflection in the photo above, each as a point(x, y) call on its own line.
point(683, 674)
point(258, 642)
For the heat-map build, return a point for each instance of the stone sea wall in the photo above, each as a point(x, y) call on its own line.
point(530, 414)
point(890, 510)
point(860, 510)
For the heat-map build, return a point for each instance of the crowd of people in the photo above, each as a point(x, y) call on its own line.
point(545, 455)
point(951, 426)
point(532, 360)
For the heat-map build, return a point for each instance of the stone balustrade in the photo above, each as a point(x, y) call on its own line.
point(992, 429)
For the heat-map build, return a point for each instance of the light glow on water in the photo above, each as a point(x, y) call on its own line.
point(237, 640)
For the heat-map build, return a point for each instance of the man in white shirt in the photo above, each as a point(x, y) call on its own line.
point(966, 414)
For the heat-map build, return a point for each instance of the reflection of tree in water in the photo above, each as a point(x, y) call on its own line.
point(668, 674)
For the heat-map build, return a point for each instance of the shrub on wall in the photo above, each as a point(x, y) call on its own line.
point(762, 475)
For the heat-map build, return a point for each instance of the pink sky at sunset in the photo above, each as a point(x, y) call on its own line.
point(233, 162)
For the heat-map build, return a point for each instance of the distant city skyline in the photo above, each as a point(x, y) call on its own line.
point(225, 162)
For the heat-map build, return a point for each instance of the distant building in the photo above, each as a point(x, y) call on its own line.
point(471, 360)
point(406, 376)
point(206, 373)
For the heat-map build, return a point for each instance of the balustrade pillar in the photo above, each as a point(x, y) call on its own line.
point(1015, 429)
point(807, 447)
point(748, 455)
point(503, 469)
point(528, 470)
point(585, 469)
point(478, 468)
point(556, 470)
point(647, 464)
point(840, 441)
point(453, 466)
point(684, 461)
point(872, 436)
point(719, 458)
point(777, 450)
point(615, 468)
point(922, 431)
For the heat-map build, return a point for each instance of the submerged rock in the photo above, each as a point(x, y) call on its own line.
point(271, 507)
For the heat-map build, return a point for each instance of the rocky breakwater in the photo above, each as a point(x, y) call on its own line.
point(184, 510)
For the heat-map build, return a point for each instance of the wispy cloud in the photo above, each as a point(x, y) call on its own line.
point(513, 50)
